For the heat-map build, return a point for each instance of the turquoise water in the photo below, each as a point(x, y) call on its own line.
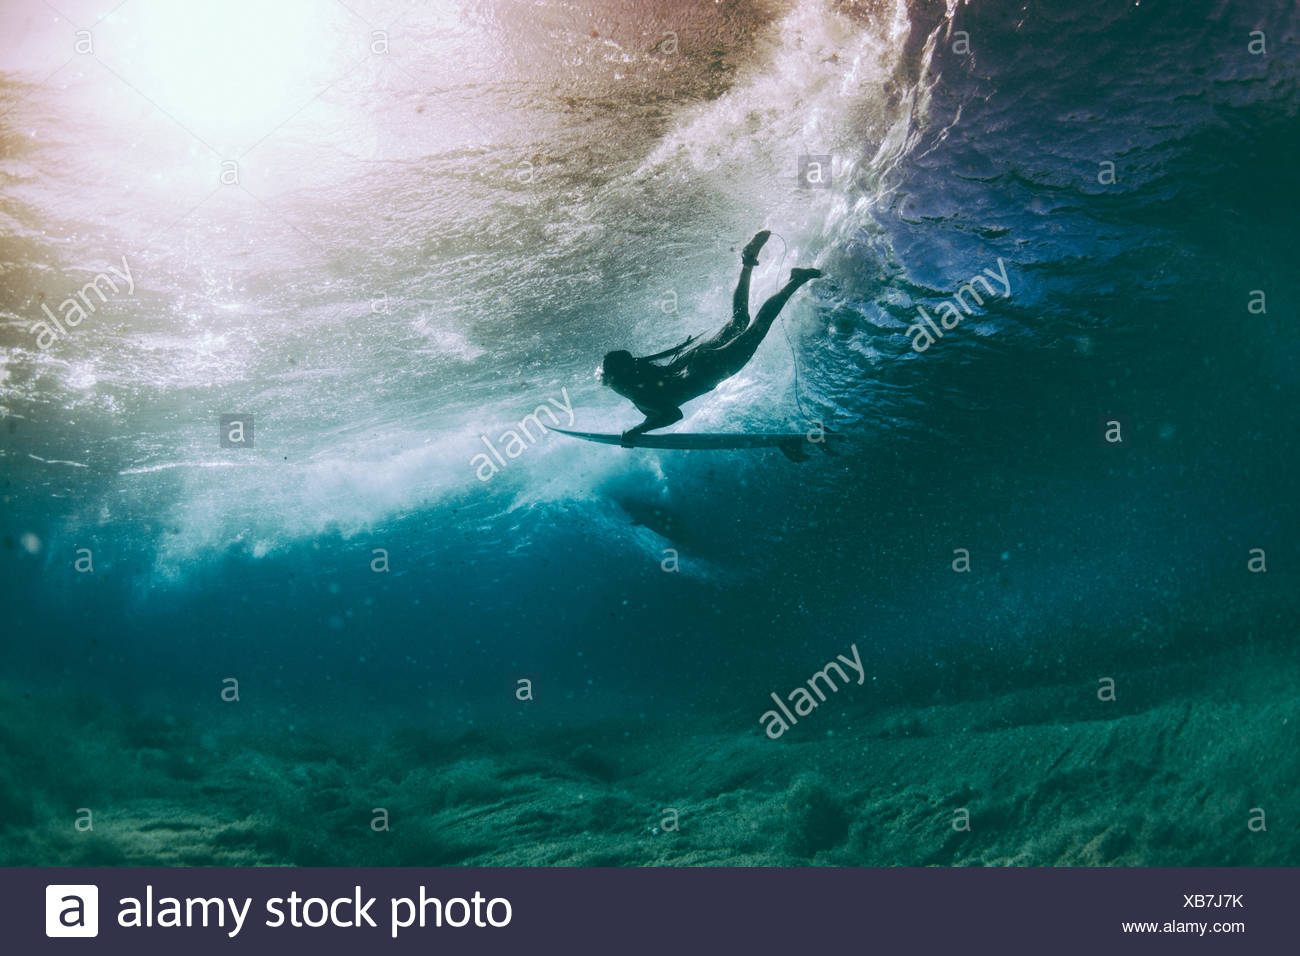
point(427, 243)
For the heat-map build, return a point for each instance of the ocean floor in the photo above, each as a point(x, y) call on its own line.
point(1168, 774)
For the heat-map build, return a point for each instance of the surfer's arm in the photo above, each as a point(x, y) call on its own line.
point(656, 419)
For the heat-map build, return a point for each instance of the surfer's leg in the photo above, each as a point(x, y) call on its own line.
point(730, 360)
point(748, 259)
point(740, 298)
point(722, 363)
point(773, 306)
point(749, 255)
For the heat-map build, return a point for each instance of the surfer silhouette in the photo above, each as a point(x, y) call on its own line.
point(693, 368)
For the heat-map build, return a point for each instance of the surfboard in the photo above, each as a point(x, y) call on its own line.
point(700, 441)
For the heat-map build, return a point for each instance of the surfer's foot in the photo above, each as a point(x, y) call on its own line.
point(749, 255)
point(803, 275)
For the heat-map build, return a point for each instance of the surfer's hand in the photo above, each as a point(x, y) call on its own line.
point(625, 439)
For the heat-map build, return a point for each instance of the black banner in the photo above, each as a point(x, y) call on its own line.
point(195, 911)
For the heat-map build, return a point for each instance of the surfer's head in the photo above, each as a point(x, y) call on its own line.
point(617, 369)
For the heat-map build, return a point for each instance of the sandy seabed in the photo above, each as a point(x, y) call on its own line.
point(1175, 772)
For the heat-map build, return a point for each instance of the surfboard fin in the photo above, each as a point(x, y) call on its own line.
point(794, 449)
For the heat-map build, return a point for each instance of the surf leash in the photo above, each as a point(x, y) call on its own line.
point(794, 358)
